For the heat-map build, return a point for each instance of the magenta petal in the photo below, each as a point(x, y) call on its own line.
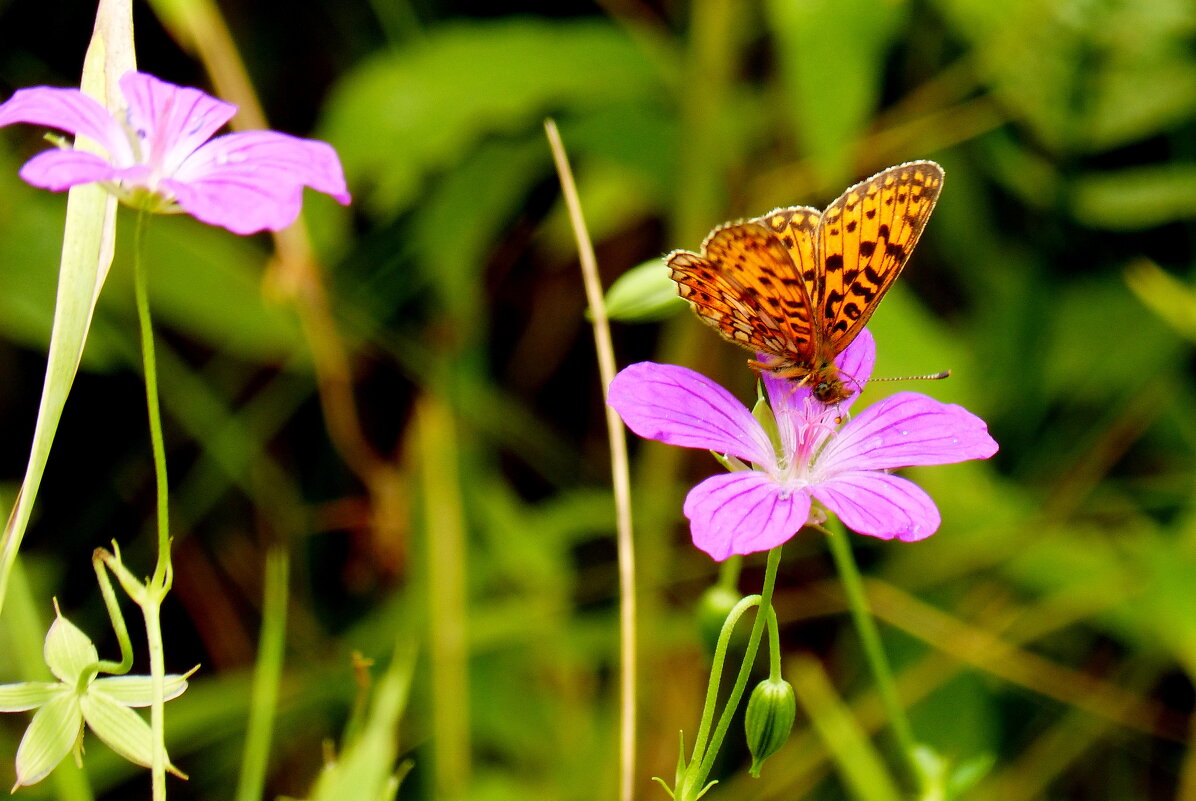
point(58, 170)
point(880, 505)
point(268, 157)
point(253, 181)
point(784, 393)
point(907, 429)
point(678, 406)
point(855, 368)
point(67, 110)
point(855, 365)
point(173, 121)
point(743, 512)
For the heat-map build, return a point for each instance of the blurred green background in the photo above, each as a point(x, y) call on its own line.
point(414, 414)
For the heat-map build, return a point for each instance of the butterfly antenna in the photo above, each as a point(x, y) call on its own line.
point(931, 377)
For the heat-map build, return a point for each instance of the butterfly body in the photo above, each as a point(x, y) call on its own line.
point(798, 284)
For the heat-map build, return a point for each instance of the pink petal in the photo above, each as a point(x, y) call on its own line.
point(68, 110)
point(880, 505)
point(907, 429)
point(855, 365)
point(253, 181)
point(58, 170)
point(678, 406)
point(855, 368)
point(172, 121)
point(744, 512)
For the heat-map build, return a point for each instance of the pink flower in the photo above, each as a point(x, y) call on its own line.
point(845, 466)
point(160, 155)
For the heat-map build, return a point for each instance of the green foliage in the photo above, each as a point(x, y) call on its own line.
point(1048, 626)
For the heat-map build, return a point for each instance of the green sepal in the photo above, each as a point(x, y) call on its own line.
point(26, 695)
point(69, 653)
point(137, 690)
point(56, 728)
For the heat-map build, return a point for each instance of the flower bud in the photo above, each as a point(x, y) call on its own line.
point(770, 714)
point(713, 607)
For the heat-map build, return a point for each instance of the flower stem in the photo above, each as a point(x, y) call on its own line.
point(150, 365)
point(704, 755)
point(861, 614)
point(728, 572)
point(160, 583)
point(620, 472)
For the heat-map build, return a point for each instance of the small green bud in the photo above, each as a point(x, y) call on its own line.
point(643, 293)
point(713, 607)
point(770, 715)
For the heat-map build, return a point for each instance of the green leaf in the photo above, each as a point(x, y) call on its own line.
point(832, 61)
point(69, 653)
point(55, 728)
point(414, 111)
point(1136, 198)
point(1139, 45)
point(850, 747)
point(86, 255)
point(643, 293)
point(365, 768)
point(1172, 300)
point(967, 774)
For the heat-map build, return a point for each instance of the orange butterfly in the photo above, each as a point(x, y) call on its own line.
point(798, 284)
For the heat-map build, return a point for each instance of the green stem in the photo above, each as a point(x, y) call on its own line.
point(728, 572)
point(698, 771)
point(774, 645)
point(99, 559)
point(716, 672)
point(861, 614)
point(153, 631)
point(150, 362)
point(160, 583)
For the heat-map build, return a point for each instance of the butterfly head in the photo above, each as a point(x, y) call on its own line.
point(830, 391)
point(825, 382)
point(828, 386)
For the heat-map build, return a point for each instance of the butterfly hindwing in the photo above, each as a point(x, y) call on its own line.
point(746, 286)
point(797, 229)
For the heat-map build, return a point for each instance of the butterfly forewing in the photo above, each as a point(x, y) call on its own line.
point(865, 239)
point(746, 285)
point(797, 229)
point(800, 284)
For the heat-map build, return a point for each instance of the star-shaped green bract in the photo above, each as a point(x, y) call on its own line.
point(79, 697)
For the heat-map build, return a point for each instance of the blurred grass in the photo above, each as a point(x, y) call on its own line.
point(1049, 623)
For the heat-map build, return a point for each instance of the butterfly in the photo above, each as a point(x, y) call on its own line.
point(798, 284)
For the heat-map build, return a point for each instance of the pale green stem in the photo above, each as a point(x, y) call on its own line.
point(149, 360)
point(620, 472)
point(874, 652)
point(716, 674)
point(266, 679)
point(160, 583)
point(703, 761)
point(99, 558)
point(728, 572)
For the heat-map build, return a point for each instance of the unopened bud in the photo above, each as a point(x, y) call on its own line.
point(770, 715)
point(713, 607)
